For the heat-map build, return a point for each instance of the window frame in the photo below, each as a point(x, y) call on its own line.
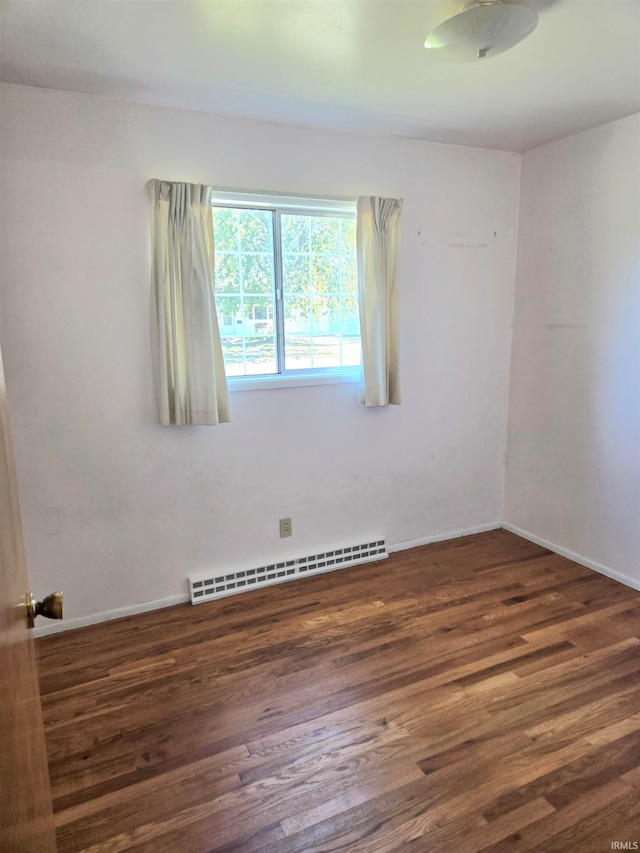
point(279, 205)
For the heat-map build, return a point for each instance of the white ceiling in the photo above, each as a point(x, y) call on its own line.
point(351, 64)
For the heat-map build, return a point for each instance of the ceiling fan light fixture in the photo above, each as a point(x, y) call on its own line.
point(482, 30)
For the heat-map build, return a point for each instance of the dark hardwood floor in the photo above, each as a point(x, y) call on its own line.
point(477, 694)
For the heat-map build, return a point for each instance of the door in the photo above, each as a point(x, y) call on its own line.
point(26, 815)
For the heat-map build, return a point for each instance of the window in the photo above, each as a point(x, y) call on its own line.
point(286, 286)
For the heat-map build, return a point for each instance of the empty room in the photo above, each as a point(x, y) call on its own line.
point(320, 421)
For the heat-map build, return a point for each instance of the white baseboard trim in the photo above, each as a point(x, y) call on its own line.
point(96, 618)
point(443, 537)
point(144, 607)
point(577, 558)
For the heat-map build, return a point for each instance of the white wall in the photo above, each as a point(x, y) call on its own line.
point(118, 510)
point(573, 473)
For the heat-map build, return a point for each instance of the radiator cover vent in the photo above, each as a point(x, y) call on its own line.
point(222, 584)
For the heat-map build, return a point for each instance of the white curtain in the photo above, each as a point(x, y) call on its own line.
point(377, 238)
point(191, 385)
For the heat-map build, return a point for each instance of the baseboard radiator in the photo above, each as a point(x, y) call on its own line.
point(231, 582)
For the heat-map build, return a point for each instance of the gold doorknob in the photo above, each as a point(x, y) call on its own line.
point(50, 606)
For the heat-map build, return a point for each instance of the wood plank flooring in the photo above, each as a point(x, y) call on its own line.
point(481, 694)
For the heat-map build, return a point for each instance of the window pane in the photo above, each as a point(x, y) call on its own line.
point(295, 234)
point(319, 292)
point(295, 272)
point(350, 331)
point(257, 273)
point(227, 273)
point(225, 223)
point(325, 329)
point(252, 355)
point(244, 285)
point(349, 236)
point(325, 234)
point(326, 271)
point(349, 274)
point(298, 352)
point(256, 230)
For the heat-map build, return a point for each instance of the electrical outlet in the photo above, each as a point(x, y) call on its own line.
point(285, 527)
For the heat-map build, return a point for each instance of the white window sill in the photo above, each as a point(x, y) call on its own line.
point(291, 380)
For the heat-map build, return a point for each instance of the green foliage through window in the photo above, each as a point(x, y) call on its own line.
point(286, 290)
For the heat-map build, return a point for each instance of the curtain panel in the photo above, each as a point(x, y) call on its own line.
point(377, 240)
point(191, 385)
